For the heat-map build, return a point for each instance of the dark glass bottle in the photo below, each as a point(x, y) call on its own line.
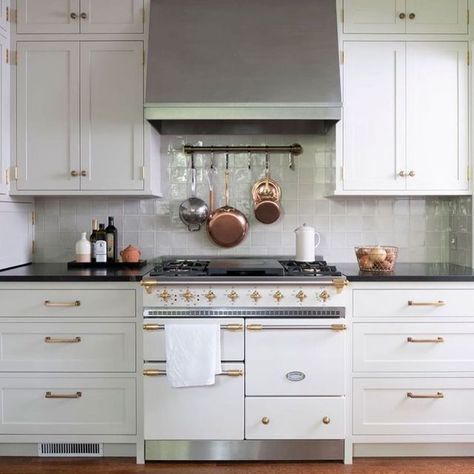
point(101, 245)
point(93, 238)
point(111, 231)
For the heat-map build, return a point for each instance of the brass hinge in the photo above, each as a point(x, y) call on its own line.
point(7, 14)
point(342, 15)
point(342, 173)
point(468, 16)
point(142, 170)
point(33, 218)
point(468, 57)
point(342, 57)
point(10, 15)
point(33, 246)
point(15, 173)
point(144, 57)
point(7, 56)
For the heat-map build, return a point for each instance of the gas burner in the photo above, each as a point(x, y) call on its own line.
point(181, 267)
point(311, 269)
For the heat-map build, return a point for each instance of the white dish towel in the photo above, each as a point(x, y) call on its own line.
point(193, 354)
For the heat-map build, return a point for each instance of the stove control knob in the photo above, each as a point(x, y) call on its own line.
point(324, 296)
point(188, 296)
point(165, 296)
point(278, 295)
point(300, 295)
point(233, 295)
point(210, 296)
point(255, 295)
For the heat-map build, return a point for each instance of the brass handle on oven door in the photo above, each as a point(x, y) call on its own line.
point(229, 373)
point(63, 395)
point(426, 303)
point(62, 304)
point(436, 395)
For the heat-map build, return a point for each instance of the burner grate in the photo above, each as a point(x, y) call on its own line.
point(318, 268)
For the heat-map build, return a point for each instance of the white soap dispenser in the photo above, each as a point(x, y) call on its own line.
point(83, 249)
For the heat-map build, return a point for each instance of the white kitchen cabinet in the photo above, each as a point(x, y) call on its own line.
point(74, 131)
point(48, 95)
point(4, 114)
point(112, 117)
point(374, 115)
point(406, 16)
point(402, 134)
point(80, 16)
point(4, 14)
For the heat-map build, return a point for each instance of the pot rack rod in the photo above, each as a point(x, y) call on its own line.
point(292, 150)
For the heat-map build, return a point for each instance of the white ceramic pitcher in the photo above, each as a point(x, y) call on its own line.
point(307, 239)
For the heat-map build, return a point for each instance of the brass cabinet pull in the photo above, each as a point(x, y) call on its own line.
point(74, 173)
point(59, 340)
point(63, 395)
point(62, 304)
point(84, 173)
point(402, 174)
point(229, 373)
point(232, 327)
point(153, 327)
point(435, 340)
point(402, 16)
point(411, 16)
point(435, 395)
point(265, 420)
point(411, 174)
point(426, 303)
point(227, 327)
point(73, 16)
point(84, 15)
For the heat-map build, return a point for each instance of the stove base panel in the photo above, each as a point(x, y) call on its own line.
point(245, 450)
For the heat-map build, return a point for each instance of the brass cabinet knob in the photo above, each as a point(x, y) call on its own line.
point(83, 173)
point(187, 295)
point(411, 16)
point(84, 15)
point(255, 295)
point(210, 295)
point(402, 16)
point(165, 296)
point(402, 174)
point(265, 420)
point(73, 16)
point(326, 420)
point(411, 174)
point(300, 296)
point(324, 296)
point(74, 173)
point(233, 295)
point(278, 295)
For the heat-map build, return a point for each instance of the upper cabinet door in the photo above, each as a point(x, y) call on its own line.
point(3, 15)
point(437, 116)
point(374, 16)
point(436, 16)
point(112, 16)
point(48, 16)
point(4, 116)
point(48, 116)
point(112, 115)
point(373, 117)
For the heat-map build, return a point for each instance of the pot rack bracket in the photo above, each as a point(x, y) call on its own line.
point(292, 150)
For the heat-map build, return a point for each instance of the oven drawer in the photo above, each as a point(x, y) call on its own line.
point(51, 303)
point(411, 406)
point(290, 357)
point(412, 303)
point(294, 418)
point(209, 412)
point(67, 347)
point(74, 404)
point(413, 347)
point(232, 337)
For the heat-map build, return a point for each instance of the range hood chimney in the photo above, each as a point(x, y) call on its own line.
point(243, 66)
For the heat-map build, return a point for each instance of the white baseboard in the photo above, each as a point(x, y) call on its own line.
point(414, 450)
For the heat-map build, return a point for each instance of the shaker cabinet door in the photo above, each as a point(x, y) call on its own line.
point(374, 16)
point(4, 115)
point(112, 115)
point(48, 16)
point(437, 116)
point(373, 117)
point(48, 116)
point(112, 16)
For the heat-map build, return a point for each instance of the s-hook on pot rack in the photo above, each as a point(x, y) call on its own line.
point(292, 150)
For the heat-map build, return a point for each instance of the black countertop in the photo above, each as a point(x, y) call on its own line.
point(60, 272)
point(403, 272)
point(411, 272)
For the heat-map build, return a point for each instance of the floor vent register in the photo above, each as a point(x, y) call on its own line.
point(70, 449)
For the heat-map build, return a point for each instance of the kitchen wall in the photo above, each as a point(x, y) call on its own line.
point(421, 227)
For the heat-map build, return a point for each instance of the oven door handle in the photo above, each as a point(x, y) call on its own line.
point(228, 373)
point(260, 327)
point(161, 327)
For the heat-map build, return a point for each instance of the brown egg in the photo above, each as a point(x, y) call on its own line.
point(366, 263)
point(377, 254)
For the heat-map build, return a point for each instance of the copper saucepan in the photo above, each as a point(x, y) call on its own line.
point(227, 226)
point(266, 194)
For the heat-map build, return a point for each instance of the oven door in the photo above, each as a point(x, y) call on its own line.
point(291, 357)
point(193, 413)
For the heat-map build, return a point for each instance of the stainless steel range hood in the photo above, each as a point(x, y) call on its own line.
point(243, 66)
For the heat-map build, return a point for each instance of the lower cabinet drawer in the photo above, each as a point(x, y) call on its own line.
point(67, 347)
point(409, 406)
point(294, 418)
point(36, 404)
point(193, 413)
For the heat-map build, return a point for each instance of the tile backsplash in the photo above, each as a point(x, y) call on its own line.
point(425, 229)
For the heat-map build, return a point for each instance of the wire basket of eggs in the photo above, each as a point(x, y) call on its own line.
point(376, 258)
